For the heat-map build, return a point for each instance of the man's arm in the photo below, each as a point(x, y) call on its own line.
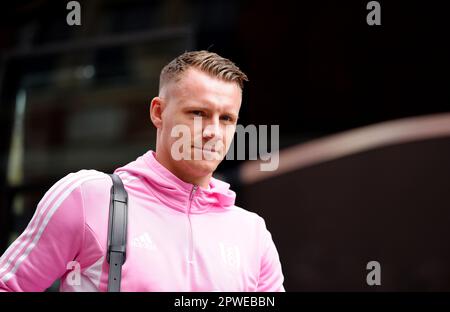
point(52, 239)
point(271, 276)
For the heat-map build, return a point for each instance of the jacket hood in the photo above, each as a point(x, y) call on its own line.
point(175, 193)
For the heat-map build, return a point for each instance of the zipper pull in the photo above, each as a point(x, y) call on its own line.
point(194, 188)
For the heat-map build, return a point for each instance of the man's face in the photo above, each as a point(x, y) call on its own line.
point(209, 108)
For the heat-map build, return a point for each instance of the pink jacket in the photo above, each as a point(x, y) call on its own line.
point(180, 237)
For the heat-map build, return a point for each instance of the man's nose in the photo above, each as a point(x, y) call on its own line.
point(212, 130)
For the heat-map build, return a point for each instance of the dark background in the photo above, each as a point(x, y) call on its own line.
point(315, 68)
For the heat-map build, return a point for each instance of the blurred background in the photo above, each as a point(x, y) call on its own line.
point(363, 115)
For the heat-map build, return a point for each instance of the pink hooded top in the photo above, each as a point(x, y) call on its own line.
point(180, 237)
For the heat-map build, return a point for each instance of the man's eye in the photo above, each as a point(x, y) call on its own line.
point(198, 113)
point(227, 118)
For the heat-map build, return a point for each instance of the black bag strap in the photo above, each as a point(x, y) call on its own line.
point(117, 232)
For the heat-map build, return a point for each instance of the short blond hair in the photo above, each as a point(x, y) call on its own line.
point(206, 61)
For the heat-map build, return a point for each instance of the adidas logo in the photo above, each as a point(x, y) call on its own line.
point(143, 241)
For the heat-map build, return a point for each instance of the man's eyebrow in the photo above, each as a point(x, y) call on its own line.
point(195, 105)
point(206, 108)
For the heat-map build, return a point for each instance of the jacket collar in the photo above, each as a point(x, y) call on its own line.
point(177, 194)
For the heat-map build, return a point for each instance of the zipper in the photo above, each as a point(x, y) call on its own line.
point(191, 237)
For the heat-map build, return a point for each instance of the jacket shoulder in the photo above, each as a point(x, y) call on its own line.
point(248, 215)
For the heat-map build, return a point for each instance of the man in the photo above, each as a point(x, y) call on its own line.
point(184, 231)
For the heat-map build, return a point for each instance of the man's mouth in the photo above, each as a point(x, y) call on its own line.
point(205, 150)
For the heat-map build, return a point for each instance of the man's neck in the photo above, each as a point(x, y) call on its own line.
point(200, 181)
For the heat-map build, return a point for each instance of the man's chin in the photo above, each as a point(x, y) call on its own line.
point(203, 167)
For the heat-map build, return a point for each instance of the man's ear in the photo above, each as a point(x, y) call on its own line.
point(156, 109)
